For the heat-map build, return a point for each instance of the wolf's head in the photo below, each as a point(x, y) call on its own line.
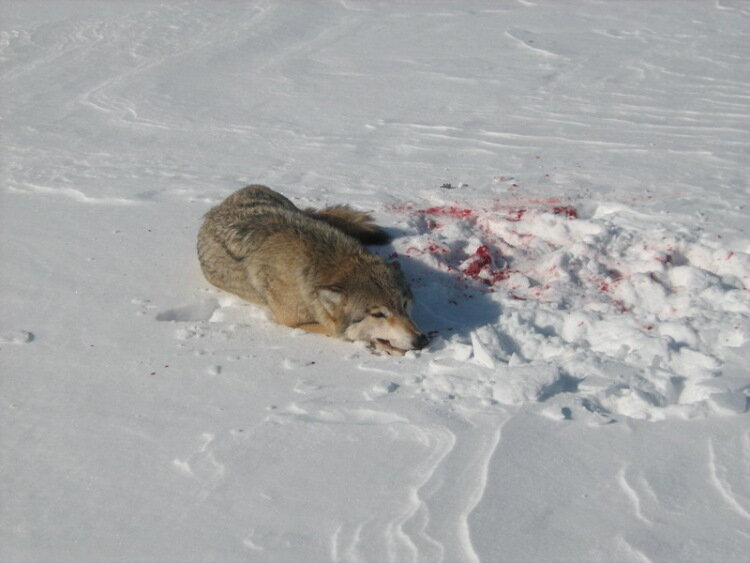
point(372, 303)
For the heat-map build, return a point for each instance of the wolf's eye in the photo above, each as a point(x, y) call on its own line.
point(378, 315)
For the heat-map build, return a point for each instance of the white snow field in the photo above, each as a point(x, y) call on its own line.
point(567, 185)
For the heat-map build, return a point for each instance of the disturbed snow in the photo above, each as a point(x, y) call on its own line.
point(566, 185)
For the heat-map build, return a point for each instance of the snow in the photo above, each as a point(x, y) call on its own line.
point(567, 187)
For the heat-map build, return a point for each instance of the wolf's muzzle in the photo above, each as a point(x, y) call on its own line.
point(420, 341)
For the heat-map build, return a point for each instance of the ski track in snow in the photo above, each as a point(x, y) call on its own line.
point(567, 202)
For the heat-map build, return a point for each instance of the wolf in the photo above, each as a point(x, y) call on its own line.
point(309, 267)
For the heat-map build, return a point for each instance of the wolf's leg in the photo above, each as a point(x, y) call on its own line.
point(288, 316)
point(317, 328)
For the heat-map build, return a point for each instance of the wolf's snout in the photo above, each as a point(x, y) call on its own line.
point(420, 341)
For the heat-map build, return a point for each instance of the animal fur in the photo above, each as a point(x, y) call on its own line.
point(309, 268)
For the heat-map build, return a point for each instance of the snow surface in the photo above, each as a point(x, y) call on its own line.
point(567, 186)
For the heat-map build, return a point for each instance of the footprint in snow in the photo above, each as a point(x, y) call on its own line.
point(202, 311)
point(16, 337)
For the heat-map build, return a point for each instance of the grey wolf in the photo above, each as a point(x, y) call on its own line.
point(309, 268)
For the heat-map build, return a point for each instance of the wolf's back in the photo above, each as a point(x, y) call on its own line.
point(233, 233)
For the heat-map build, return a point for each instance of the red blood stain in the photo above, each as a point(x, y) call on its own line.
point(481, 264)
point(501, 275)
point(480, 268)
point(483, 259)
point(402, 207)
point(434, 248)
point(614, 277)
point(567, 210)
point(449, 211)
point(515, 215)
point(621, 308)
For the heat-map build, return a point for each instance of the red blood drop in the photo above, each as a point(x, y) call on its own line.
point(567, 210)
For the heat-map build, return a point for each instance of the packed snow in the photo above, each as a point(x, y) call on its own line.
point(566, 184)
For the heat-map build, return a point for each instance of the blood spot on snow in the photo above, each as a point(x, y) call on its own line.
point(490, 263)
point(515, 215)
point(479, 266)
point(567, 210)
point(434, 248)
point(482, 259)
point(449, 211)
point(620, 305)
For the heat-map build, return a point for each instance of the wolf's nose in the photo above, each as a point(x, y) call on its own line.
point(421, 341)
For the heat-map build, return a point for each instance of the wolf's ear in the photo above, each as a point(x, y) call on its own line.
point(330, 296)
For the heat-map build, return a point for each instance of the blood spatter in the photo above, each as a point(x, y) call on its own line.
point(449, 211)
point(566, 210)
point(515, 215)
point(480, 266)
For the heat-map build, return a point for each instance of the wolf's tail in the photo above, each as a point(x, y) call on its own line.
point(354, 223)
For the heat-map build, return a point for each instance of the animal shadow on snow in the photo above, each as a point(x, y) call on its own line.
point(443, 304)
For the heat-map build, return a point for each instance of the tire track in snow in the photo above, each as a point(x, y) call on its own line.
point(16, 44)
point(397, 544)
point(74, 194)
point(456, 485)
point(203, 466)
point(383, 533)
point(630, 548)
point(429, 520)
point(101, 96)
point(719, 481)
point(632, 494)
point(527, 40)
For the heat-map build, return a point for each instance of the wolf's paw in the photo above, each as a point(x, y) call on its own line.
point(385, 347)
